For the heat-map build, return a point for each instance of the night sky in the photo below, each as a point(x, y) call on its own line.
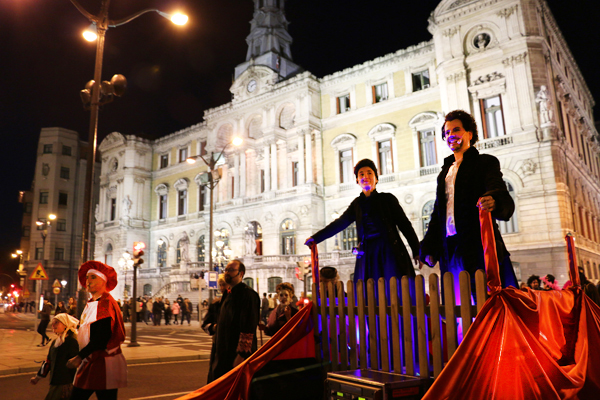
point(175, 73)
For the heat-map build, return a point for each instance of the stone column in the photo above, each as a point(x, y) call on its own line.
point(243, 174)
point(309, 164)
point(267, 169)
point(300, 159)
point(236, 180)
point(319, 156)
point(274, 185)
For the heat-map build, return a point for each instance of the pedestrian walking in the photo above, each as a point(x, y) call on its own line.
point(157, 307)
point(60, 308)
point(186, 311)
point(168, 312)
point(176, 310)
point(264, 308)
point(44, 321)
point(63, 348)
point(71, 307)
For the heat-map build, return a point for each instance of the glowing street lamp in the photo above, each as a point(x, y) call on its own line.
point(211, 179)
point(97, 31)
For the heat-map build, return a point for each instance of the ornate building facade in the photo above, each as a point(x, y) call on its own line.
point(505, 61)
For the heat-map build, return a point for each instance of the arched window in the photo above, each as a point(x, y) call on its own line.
point(273, 282)
point(200, 248)
point(349, 237)
point(426, 214)
point(249, 282)
point(108, 255)
point(288, 237)
point(161, 254)
point(147, 289)
point(509, 226)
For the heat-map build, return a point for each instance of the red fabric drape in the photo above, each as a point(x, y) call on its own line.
point(525, 345)
point(294, 340)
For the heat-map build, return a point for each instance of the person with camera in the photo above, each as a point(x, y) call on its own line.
point(378, 216)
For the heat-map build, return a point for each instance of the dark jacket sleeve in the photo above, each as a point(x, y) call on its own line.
point(348, 217)
point(404, 224)
point(496, 187)
point(431, 245)
point(100, 333)
point(46, 364)
point(248, 323)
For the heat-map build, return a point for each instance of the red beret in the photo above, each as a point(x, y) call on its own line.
point(106, 272)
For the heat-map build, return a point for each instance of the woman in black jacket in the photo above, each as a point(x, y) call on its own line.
point(378, 216)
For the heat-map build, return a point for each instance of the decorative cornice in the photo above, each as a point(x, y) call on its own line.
point(378, 63)
point(515, 59)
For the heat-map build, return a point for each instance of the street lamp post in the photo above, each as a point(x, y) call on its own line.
point(21, 271)
point(45, 226)
point(101, 22)
point(212, 180)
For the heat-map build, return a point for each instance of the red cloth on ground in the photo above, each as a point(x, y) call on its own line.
point(294, 340)
point(525, 345)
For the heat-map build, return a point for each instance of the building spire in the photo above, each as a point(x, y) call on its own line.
point(269, 41)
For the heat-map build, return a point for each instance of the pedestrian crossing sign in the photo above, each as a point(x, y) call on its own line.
point(39, 274)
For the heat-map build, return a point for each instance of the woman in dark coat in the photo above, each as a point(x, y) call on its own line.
point(282, 314)
point(63, 348)
point(378, 217)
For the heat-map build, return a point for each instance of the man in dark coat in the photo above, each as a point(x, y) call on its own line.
point(378, 217)
point(468, 181)
point(238, 320)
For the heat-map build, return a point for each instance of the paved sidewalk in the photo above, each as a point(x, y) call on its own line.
point(19, 352)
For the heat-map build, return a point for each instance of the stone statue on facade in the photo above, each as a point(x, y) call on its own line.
point(97, 212)
point(126, 205)
point(250, 240)
point(546, 113)
point(184, 246)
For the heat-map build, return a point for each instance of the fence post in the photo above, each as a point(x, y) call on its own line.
point(333, 330)
point(465, 300)
point(480, 288)
point(383, 327)
point(324, 327)
point(407, 325)
point(422, 327)
point(372, 324)
point(395, 321)
point(353, 355)
point(436, 334)
point(362, 329)
point(450, 314)
point(342, 327)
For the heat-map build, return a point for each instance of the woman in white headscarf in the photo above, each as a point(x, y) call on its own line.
point(63, 348)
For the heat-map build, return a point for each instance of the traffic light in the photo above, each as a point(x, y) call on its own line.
point(302, 269)
point(138, 252)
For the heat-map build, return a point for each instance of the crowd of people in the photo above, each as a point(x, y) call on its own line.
point(153, 310)
point(549, 282)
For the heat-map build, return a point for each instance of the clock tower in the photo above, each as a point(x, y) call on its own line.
point(269, 42)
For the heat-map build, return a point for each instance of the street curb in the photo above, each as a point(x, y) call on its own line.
point(23, 370)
